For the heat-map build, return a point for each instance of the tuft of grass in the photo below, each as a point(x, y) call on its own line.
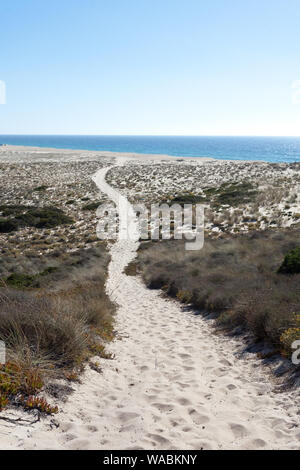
point(291, 262)
point(23, 281)
point(131, 269)
point(185, 198)
point(19, 281)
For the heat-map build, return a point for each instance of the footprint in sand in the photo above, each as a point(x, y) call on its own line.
point(183, 401)
point(231, 387)
point(163, 407)
point(91, 428)
point(238, 430)
point(159, 439)
point(124, 417)
point(198, 418)
point(185, 356)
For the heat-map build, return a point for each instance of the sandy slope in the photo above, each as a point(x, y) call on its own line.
point(173, 384)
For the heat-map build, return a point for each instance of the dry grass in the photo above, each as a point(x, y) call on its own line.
point(235, 278)
point(52, 329)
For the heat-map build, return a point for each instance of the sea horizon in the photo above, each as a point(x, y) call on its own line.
point(256, 148)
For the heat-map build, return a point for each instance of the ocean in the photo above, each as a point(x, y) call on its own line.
point(270, 149)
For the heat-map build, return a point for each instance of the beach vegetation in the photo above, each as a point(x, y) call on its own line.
point(291, 262)
point(26, 216)
point(231, 194)
point(40, 188)
point(184, 198)
point(92, 206)
point(235, 279)
point(52, 329)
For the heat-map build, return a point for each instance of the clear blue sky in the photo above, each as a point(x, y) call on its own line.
point(187, 67)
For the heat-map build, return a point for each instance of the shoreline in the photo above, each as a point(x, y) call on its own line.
point(104, 153)
point(147, 157)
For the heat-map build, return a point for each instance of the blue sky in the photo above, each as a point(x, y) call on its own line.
point(173, 67)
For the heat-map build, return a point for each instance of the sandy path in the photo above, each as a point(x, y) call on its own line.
point(173, 384)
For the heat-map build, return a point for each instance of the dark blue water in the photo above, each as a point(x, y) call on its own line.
point(270, 149)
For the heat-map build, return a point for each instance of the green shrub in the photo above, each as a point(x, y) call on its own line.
point(47, 217)
point(91, 207)
point(187, 198)
point(20, 281)
point(13, 209)
point(235, 194)
point(8, 225)
point(232, 194)
point(291, 262)
point(43, 187)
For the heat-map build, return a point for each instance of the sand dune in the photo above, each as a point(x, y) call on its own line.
point(173, 384)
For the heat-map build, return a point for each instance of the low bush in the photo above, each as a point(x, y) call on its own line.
point(38, 403)
point(47, 217)
point(232, 194)
point(185, 198)
point(91, 207)
point(8, 225)
point(13, 209)
point(291, 262)
point(20, 280)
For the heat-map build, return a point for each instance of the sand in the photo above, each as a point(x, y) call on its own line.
point(67, 153)
point(173, 383)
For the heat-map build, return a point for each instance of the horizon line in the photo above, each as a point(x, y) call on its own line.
point(150, 135)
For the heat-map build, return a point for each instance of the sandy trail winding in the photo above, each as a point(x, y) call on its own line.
point(173, 384)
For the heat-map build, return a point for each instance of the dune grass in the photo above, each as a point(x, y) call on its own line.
point(239, 279)
point(52, 328)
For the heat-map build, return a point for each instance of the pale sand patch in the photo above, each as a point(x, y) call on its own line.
point(173, 383)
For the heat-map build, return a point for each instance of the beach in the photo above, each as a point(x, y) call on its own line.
point(171, 382)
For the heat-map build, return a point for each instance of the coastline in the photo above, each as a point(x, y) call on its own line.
point(247, 148)
point(108, 154)
point(143, 157)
